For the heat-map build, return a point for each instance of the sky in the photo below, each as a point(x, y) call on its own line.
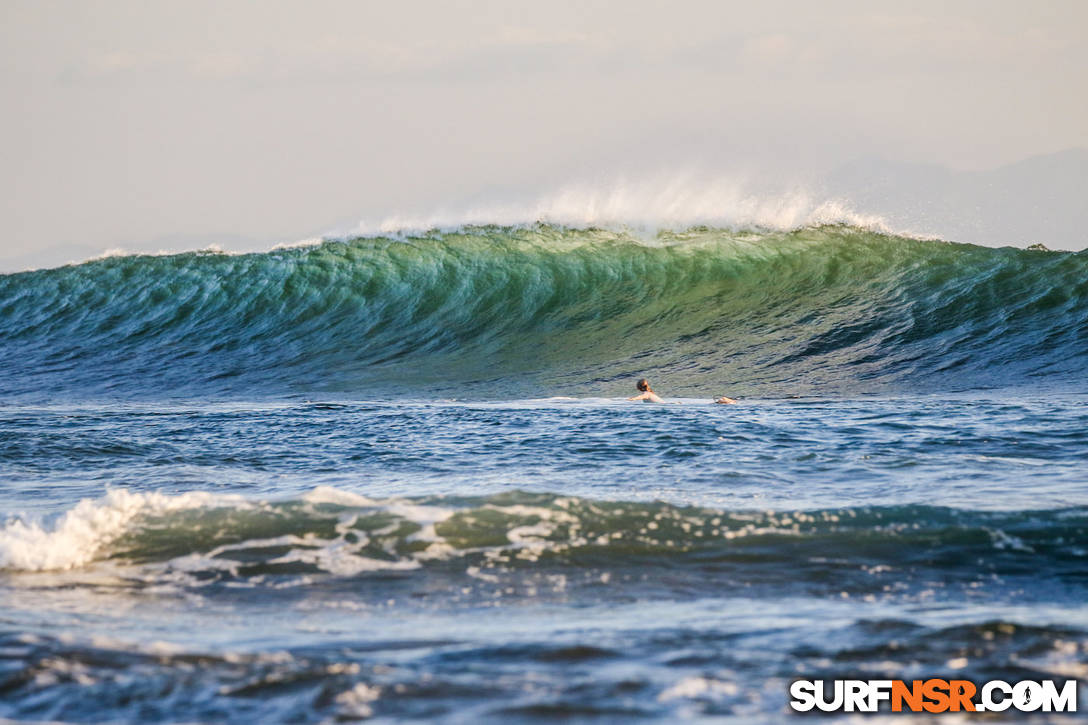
point(161, 125)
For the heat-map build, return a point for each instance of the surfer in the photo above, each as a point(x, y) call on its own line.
point(646, 393)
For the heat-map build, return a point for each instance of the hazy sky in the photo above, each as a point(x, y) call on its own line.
point(131, 124)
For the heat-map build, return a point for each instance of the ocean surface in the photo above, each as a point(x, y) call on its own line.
point(398, 478)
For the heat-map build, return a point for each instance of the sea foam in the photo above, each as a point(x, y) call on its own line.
point(77, 536)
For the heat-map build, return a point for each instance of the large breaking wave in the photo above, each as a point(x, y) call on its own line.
point(496, 312)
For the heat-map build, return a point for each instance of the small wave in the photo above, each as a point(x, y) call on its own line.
point(198, 539)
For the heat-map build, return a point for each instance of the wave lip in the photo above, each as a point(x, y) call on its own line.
point(497, 312)
point(675, 203)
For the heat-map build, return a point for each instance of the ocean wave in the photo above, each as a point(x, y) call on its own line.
point(500, 312)
point(199, 539)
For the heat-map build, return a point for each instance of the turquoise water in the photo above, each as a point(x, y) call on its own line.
point(397, 478)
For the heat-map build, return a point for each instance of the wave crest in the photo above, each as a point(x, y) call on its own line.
point(651, 205)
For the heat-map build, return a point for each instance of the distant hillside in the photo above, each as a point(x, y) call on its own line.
point(1043, 199)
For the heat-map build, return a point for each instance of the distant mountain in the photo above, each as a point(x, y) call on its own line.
point(1043, 199)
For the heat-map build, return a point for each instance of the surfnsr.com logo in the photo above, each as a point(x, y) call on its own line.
point(932, 695)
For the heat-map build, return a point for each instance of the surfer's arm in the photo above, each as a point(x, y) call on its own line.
point(724, 400)
point(649, 396)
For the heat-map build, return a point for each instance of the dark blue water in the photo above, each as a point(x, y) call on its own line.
point(331, 484)
point(302, 561)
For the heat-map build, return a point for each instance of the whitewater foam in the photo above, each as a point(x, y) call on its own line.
point(643, 207)
point(648, 205)
point(77, 537)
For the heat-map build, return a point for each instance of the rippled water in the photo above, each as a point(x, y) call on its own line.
point(509, 561)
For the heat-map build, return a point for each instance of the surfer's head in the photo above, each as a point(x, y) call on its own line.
point(643, 385)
